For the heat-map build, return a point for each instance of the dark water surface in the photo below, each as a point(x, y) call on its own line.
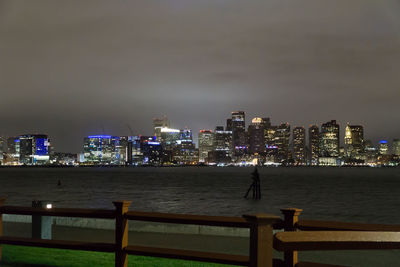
point(347, 194)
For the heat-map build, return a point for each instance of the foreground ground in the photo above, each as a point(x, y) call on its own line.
point(18, 256)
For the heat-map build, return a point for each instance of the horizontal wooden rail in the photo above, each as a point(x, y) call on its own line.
point(187, 219)
point(314, 264)
point(335, 240)
point(188, 255)
point(315, 225)
point(61, 212)
point(62, 244)
point(224, 221)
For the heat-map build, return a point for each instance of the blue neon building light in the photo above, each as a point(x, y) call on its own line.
point(41, 148)
point(99, 136)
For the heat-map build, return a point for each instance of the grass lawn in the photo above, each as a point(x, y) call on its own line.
point(19, 256)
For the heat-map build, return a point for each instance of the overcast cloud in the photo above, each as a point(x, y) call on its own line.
point(75, 68)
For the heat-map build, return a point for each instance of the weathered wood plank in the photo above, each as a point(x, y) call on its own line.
point(188, 219)
point(45, 243)
point(188, 255)
point(61, 212)
point(336, 240)
point(315, 225)
point(314, 264)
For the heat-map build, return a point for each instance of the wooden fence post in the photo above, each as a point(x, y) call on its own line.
point(2, 200)
point(261, 239)
point(121, 233)
point(291, 217)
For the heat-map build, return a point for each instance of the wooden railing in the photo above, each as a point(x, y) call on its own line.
point(260, 246)
point(298, 235)
point(301, 235)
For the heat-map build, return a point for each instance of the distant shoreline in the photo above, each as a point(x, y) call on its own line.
point(181, 166)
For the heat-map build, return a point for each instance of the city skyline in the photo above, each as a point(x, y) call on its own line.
point(73, 69)
point(130, 131)
point(261, 143)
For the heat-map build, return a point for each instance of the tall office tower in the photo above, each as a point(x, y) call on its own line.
point(34, 149)
point(151, 151)
point(368, 145)
point(11, 145)
point(222, 146)
point(11, 157)
point(256, 136)
point(313, 144)
point(239, 139)
point(169, 138)
point(383, 147)
point(137, 154)
point(354, 141)
point(270, 144)
point(206, 144)
point(2, 149)
point(371, 152)
point(266, 122)
point(186, 135)
point(299, 145)
point(282, 142)
point(185, 152)
point(124, 150)
point(396, 147)
point(329, 139)
point(228, 125)
point(158, 124)
point(101, 149)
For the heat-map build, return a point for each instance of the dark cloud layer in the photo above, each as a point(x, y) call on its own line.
point(73, 68)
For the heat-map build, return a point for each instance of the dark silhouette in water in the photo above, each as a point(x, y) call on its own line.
point(59, 183)
point(255, 185)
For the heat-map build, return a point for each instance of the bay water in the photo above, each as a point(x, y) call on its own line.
point(366, 195)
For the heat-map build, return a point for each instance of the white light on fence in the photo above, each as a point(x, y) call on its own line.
point(49, 206)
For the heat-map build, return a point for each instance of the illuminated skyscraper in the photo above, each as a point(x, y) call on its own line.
point(239, 133)
point(383, 147)
point(2, 149)
point(34, 149)
point(206, 144)
point(329, 138)
point(169, 138)
point(185, 152)
point(282, 142)
point(137, 154)
point(371, 152)
point(228, 125)
point(11, 157)
point(186, 135)
point(124, 150)
point(158, 124)
point(151, 150)
point(222, 146)
point(313, 143)
point(271, 147)
point(256, 136)
point(223, 140)
point(396, 147)
point(101, 149)
point(353, 141)
point(299, 145)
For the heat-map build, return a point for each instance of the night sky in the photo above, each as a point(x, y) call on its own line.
point(74, 68)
